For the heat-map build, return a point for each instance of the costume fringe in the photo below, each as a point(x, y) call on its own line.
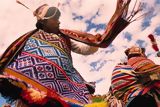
point(13, 90)
point(120, 20)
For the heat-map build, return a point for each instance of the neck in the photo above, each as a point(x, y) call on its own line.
point(51, 30)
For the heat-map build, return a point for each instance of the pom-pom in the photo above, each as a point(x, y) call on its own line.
point(153, 41)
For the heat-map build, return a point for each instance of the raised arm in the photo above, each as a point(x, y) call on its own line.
point(117, 23)
point(82, 48)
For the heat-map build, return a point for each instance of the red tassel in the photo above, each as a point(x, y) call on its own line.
point(151, 37)
point(155, 47)
point(154, 43)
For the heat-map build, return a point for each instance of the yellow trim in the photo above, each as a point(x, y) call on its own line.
point(37, 85)
point(97, 104)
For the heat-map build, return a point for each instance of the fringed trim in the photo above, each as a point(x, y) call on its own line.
point(120, 20)
point(12, 90)
point(123, 6)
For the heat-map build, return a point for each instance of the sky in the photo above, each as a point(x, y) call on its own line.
point(90, 16)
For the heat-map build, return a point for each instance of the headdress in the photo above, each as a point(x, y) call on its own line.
point(44, 11)
point(135, 50)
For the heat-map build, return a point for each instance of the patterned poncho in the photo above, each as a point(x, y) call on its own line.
point(143, 65)
point(45, 63)
point(125, 84)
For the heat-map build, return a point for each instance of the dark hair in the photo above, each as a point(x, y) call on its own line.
point(39, 25)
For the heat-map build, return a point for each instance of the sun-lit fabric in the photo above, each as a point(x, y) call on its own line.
point(46, 60)
point(145, 67)
point(125, 84)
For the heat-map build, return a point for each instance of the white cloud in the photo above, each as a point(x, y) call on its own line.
point(17, 20)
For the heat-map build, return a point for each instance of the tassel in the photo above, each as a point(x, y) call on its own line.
point(154, 44)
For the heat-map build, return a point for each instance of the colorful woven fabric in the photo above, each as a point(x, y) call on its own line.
point(45, 61)
point(140, 63)
point(145, 67)
point(13, 49)
point(125, 84)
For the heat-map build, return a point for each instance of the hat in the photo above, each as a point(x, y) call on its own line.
point(134, 50)
point(46, 12)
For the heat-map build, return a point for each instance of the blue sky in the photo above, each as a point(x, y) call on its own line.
point(90, 16)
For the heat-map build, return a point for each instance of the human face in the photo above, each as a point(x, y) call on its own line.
point(53, 25)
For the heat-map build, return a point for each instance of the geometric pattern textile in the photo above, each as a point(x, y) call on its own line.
point(53, 53)
point(49, 76)
point(51, 66)
point(40, 48)
point(57, 40)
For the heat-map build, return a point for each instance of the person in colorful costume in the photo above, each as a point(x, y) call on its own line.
point(39, 63)
point(137, 81)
